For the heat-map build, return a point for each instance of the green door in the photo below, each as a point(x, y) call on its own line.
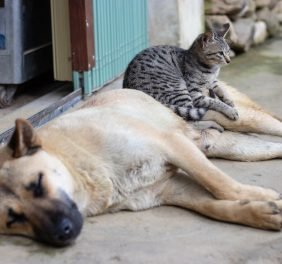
point(120, 32)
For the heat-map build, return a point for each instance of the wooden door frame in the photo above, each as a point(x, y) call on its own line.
point(82, 35)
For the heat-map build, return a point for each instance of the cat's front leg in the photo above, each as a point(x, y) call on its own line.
point(222, 95)
point(200, 100)
point(219, 106)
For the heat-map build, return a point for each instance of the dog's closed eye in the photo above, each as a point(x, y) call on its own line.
point(14, 217)
point(36, 187)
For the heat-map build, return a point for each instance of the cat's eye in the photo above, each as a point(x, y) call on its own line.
point(221, 53)
point(14, 218)
point(36, 187)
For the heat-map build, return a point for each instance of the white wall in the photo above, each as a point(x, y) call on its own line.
point(191, 17)
point(163, 22)
point(175, 22)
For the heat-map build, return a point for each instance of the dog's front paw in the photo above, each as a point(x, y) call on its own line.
point(265, 215)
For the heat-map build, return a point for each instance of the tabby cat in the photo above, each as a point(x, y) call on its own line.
point(185, 80)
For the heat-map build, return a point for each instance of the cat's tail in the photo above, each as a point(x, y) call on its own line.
point(189, 113)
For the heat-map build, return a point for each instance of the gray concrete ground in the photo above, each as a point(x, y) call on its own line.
point(172, 235)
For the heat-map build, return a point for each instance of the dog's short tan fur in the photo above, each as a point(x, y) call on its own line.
point(122, 151)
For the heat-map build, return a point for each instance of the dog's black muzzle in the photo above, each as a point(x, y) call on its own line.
point(58, 223)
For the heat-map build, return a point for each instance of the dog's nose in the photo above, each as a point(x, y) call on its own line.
point(65, 230)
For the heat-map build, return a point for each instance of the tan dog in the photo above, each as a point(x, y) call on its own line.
point(123, 154)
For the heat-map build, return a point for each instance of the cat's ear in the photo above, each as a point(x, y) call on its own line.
point(206, 38)
point(224, 30)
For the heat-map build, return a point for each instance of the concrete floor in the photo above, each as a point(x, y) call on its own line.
point(172, 235)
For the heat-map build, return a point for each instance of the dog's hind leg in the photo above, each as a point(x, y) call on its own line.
point(238, 146)
point(185, 155)
point(181, 191)
point(252, 118)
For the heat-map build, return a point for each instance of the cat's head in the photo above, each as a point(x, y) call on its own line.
point(212, 47)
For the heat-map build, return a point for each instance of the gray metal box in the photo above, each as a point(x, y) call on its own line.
point(25, 39)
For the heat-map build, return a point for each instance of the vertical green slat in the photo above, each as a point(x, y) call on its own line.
point(99, 42)
point(93, 72)
point(136, 26)
point(108, 62)
point(133, 30)
point(100, 16)
point(111, 59)
point(112, 40)
point(126, 26)
point(118, 36)
point(103, 38)
point(106, 37)
point(105, 33)
point(87, 82)
point(75, 79)
point(141, 26)
point(109, 51)
point(121, 35)
point(145, 24)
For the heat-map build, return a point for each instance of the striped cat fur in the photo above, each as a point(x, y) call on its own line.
point(185, 80)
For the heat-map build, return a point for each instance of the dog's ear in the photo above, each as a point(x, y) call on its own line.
point(24, 140)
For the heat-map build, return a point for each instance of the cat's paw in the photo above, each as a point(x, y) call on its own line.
point(229, 102)
point(233, 114)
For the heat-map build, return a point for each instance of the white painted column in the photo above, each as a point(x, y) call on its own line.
point(191, 21)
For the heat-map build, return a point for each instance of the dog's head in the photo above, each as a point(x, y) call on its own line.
point(35, 191)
